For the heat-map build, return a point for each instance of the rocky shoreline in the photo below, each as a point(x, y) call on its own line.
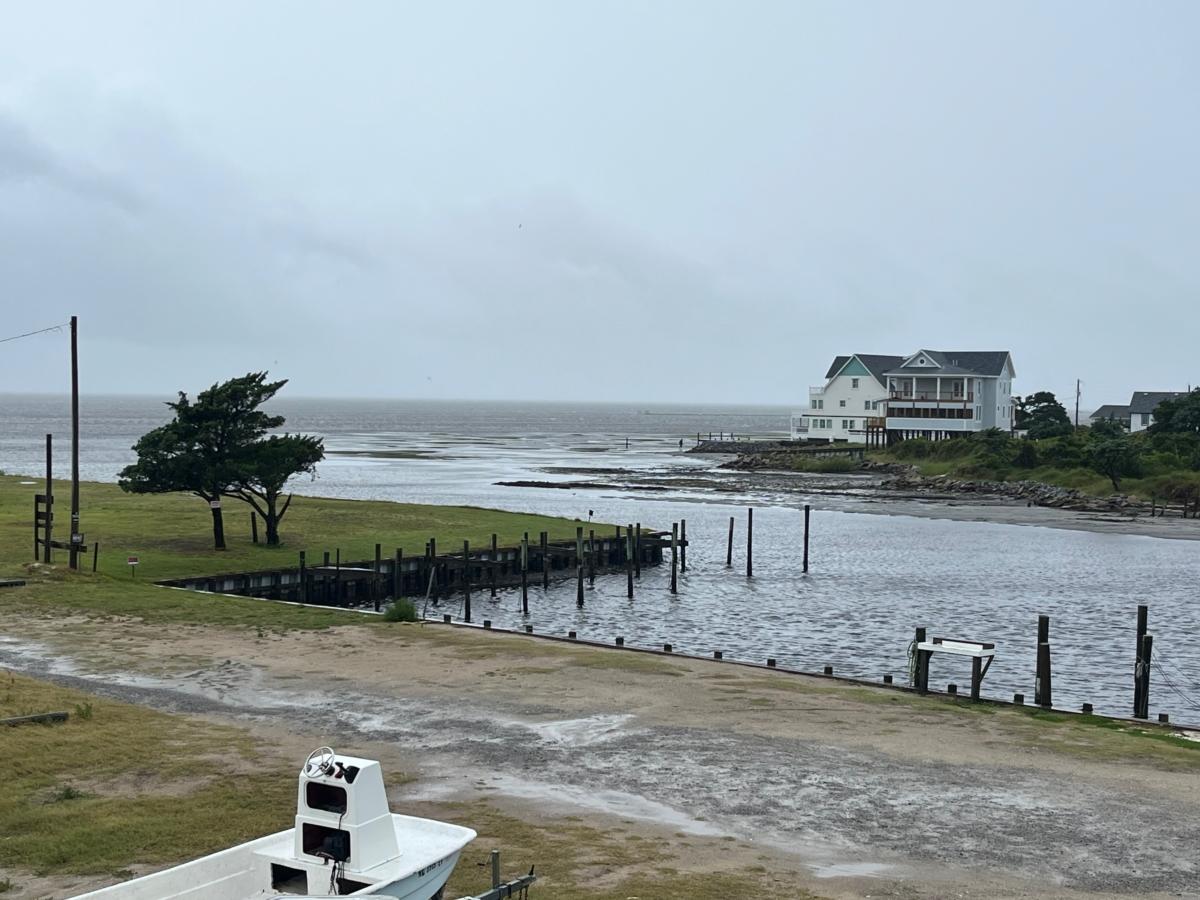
point(1034, 493)
point(905, 479)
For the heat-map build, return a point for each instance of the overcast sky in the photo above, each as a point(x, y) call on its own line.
point(597, 201)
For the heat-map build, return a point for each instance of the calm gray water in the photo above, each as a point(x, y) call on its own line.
point(873, 579)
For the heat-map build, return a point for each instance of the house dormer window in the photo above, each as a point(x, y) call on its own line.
point(853, 382)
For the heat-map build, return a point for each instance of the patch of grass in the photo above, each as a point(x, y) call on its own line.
point(172, 533)
point(1098, 738)
point(401, 610)
point(128, 785)
point(625, 662)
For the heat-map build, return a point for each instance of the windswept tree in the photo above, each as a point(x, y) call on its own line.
point(266, 469)
point(1115, 457)
point(216, 446)
point(1042, 415)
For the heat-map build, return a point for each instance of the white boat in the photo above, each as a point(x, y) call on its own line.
point(346, 841)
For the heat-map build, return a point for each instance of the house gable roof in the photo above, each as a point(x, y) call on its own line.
point(1147, 401)
point(992, 363)
point(875, 363)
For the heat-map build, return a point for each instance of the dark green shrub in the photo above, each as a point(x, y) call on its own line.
point(401, 610)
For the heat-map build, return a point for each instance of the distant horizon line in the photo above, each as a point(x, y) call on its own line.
point(641, 403)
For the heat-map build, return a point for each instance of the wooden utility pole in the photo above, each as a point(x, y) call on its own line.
point(76, 535)
point(48, 530)
point(1078, 384)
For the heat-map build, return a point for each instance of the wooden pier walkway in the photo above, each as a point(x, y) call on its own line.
point(365, 583)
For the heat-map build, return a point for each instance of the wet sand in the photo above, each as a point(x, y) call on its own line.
point(840, 790)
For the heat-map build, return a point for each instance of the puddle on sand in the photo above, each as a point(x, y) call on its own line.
point(581, 732)
point(850, 870)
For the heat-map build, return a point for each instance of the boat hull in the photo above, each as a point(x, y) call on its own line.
point(252, 871)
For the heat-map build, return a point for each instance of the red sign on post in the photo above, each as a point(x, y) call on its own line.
point(132, 560)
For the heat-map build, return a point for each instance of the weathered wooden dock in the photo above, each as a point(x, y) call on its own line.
point(433, 574)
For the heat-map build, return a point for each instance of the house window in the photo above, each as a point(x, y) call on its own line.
point(851, 424)
point(845, 425)
point(853, 382)
point(866, 404)
point(978, 413)
point(841, 403)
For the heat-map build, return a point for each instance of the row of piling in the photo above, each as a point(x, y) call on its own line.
point(1043, 684)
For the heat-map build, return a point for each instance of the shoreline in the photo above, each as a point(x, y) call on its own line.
point(834, 789)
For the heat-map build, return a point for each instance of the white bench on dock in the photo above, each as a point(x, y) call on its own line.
point(978, 651)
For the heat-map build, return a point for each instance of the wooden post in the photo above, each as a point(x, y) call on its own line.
point(592, 557)
point(1147, 651)
point(253, 527)
point(750, 542)
point(807, 515)
point(433, 570)
point(303, 580)
point(683, 545)
point(637, 550)
point(397, 574)
point(375, 572)
point(674, 557)
point(976, 676)
point(921, 676)
point(525, 574)
point(629, 561)
point(76, 535)
point(467, 581)
point(545, 542)
point(1043, 693)
point(579, 565)
point(48, 523)
point(95, 555)
point(1139, 662)
point(495, 560)
point(729, 549)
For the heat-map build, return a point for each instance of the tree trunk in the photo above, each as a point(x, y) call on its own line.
point(272, 527)
point(218, 525)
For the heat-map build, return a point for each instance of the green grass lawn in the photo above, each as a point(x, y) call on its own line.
point(171, 534)
point(118, 785)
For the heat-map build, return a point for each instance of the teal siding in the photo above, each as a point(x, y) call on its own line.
point(854, 367)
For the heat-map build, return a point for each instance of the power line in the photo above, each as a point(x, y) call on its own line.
point(17, 337)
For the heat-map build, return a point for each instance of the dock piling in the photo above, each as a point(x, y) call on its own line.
point(683, 545)
point(466, 581)
point(592, 557)
point(525, 574)
point(494, 563)
point(750, 542)
point(1043, 693)
point(544, 540)
point(674, 557)
point(579, 566)
point(729, 548)
point(807, 514)
point(1142, 617)
point(629, 561)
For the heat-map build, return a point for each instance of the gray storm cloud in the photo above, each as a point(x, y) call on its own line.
point(620, 201)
